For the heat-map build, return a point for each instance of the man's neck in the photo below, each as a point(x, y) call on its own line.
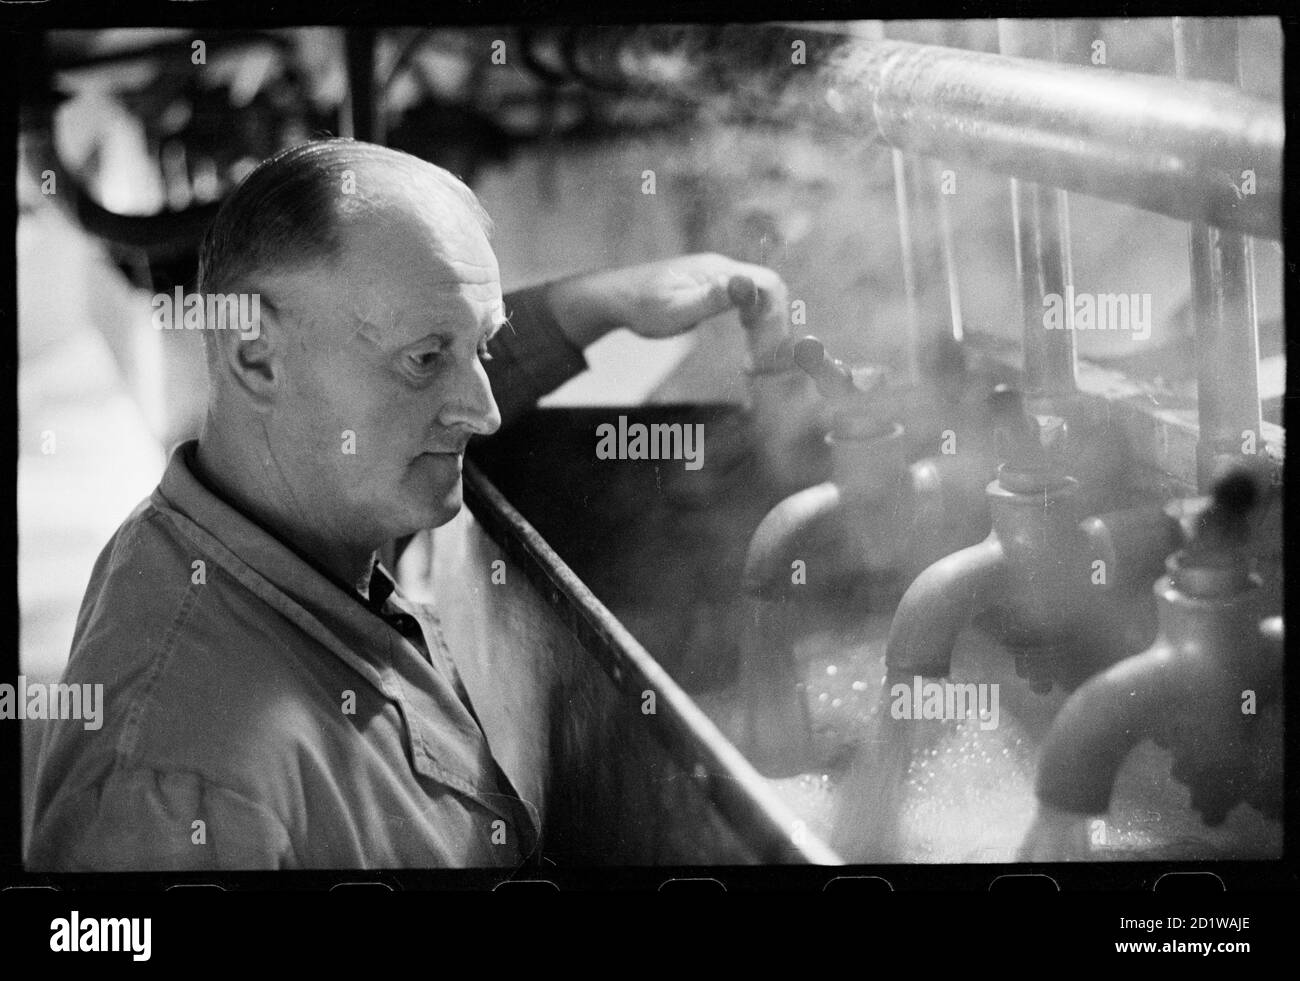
point(240, 482)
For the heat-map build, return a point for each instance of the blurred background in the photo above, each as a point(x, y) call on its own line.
point(131, 138)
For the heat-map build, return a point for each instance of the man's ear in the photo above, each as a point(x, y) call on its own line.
point(254, 360)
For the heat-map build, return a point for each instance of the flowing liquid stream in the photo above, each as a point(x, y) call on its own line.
point(867, 818)
point(1056, 836)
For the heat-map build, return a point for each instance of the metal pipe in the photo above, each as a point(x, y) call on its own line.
point(359, 117)
point(947, 242)
point(1098, 727)
point(1041, 219)
point(1182, 691)
point(907, 255)
point(1034, 565)
point(925, 240)
point(1223, 281)
point(781, 533)
point(921, 213)
point(1161, 144)
point(905, 177)
point(938, 605)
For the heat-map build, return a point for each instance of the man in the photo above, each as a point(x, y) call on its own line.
point(272, 700)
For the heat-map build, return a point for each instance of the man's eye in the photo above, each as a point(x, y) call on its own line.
point(423, 359)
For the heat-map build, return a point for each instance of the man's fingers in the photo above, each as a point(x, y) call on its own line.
point(754, 303)
point(743, 292)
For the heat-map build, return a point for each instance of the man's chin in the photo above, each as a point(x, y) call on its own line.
point(434, 493)
point(448, 511)
point(446, 507)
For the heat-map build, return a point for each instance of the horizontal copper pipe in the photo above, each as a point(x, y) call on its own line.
point(1175, 147)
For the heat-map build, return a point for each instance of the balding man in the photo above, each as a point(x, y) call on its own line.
point(272, 699)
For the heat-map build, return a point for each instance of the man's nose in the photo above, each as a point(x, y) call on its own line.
point(470, 403)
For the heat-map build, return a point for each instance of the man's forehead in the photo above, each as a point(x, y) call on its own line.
point(403, 273)
point(399, 310)
point(389, 310)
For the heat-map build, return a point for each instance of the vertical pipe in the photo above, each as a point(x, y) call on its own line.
point(1075, 38)
point(907, 253)
point(925, 234)
point(1223, 282)
point(875, 30)
point(1042, 236)
point(925, 241)
point(360, 114)
point(950, 265)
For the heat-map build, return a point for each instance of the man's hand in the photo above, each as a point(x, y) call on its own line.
point(661, 299)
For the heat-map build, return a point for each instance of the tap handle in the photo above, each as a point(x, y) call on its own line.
point(1018, 443)
point(833, 378)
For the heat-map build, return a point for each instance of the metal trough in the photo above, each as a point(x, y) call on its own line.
point(622, 766)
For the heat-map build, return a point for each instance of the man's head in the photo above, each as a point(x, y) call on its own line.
point(378, 291)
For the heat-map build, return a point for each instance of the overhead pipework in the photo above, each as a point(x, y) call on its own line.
point(1223, 283)
point(1172, 146)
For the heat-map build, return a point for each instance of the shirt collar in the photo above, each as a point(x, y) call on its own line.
point(380, 588)
point(266, 564)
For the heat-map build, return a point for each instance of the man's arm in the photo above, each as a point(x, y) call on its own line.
point(145, 820)
point(531, 355)
point(551, 324)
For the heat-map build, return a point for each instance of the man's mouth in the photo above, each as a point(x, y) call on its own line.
point(446, 456)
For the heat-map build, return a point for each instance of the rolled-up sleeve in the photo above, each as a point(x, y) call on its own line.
point(144, 820)
point(531, 356)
